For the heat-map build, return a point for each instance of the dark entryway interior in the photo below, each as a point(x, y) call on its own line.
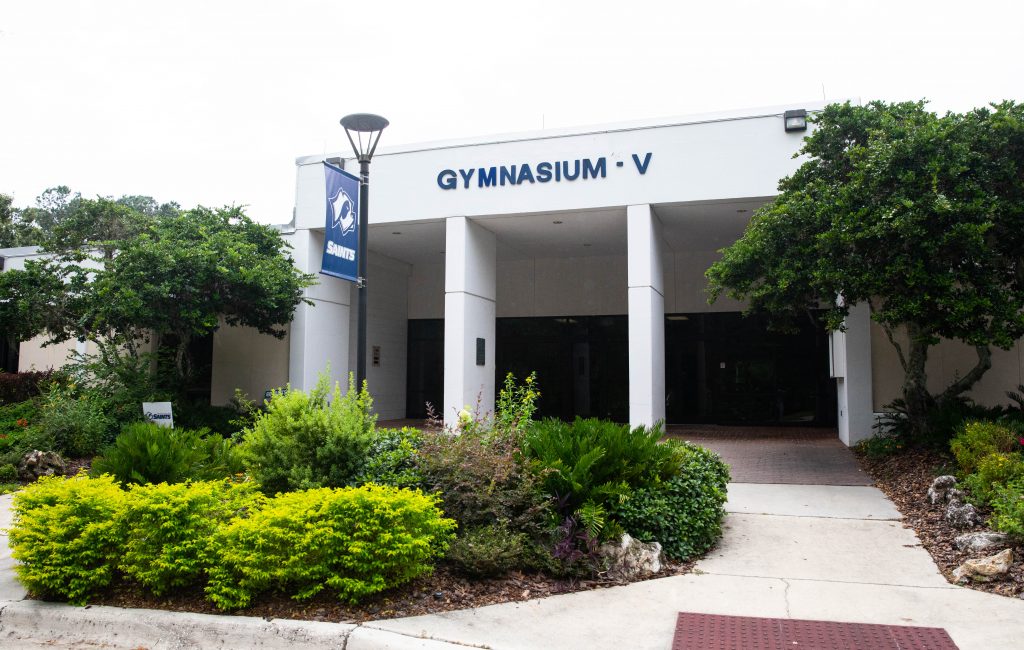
point(720, 368)
point(9, 349)
point(424, 380)
point(730, 369)
point(582, 363)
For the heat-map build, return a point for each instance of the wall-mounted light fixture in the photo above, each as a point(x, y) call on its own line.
point(796, 120)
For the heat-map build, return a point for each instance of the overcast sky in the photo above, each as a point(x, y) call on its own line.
point(211, 101)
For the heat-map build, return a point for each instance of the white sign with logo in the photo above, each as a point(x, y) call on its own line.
point(159, 413)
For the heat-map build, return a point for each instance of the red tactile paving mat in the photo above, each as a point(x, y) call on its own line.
point(714, 632)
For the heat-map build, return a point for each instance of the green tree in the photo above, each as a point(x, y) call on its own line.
point(121, 278)
point(15, 228)
point(921, 216)
point(51, 207)
point(91, 225)
point(186, 273)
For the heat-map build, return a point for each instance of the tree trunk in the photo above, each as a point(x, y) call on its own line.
point(182, 360)
point(917, 400)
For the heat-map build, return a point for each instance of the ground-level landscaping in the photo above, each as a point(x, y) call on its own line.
point(309, 510)
point(962, 492)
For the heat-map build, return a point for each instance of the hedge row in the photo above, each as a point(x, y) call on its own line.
point(74, 536)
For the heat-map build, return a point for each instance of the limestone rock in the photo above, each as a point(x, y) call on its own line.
point(961, 515)
point(956, 494)
point(986, 569)
point(976, 542)
point(939, 487)
point(630, 559)
point(41, 463)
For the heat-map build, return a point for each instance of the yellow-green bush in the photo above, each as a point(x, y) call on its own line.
point(65, 535)
point(993, 472)
point(351, 541)
point(975, 440)
point(167, 529)
point(1008, 509)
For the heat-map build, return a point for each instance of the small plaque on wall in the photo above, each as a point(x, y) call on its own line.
point(376, 356)
point(481, 355)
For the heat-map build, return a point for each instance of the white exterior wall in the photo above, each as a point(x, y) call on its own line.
point(739, 154)
point(387, 316)
point(319, 332)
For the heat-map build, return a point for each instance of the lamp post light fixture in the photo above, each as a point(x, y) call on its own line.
point(368, 126)
point(795, 120)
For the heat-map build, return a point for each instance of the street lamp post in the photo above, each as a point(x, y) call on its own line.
point(370, 126)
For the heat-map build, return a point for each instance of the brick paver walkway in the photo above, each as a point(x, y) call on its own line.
point(793, 455)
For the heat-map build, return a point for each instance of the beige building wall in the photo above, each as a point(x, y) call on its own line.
point(32, 355)
point(946, 362)
point(245, 359)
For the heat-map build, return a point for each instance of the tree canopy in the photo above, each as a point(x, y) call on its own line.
point(919, 215)
point(121, 272)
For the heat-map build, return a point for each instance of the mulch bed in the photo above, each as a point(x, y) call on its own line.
point(905, 479)
point(441, 592)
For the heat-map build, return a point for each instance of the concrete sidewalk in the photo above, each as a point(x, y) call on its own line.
point(834, 553)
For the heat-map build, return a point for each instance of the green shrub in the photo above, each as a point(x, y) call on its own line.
point(515, 406)
point(15, 418)
point(305, 440)
point(350, 541)
point(167, 529)
point(392, 458)
point(594, 462)
point(148, 453)
point(941, 423)
point(881, 445)
point(8, 473)
point(19, 431)
point(993, 471)
point(483, 480)
point(683, 513)
point(489, 551)
point(65, 537)
point(977, 439)
point(77, 424)
point(118, 382)
point(1008, 509)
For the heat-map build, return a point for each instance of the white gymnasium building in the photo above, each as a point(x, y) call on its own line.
point(580, 254)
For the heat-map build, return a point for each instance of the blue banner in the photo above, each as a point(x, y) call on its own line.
point(341, 234)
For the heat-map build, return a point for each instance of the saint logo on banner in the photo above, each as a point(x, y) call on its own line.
point(341, 231)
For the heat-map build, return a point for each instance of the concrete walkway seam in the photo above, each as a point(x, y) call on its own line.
point(162, 630)
point(828, 580)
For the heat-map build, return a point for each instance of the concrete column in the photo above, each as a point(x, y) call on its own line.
point(646, 316)
point(320, 333)
point(469, 311)
point(851, 366)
